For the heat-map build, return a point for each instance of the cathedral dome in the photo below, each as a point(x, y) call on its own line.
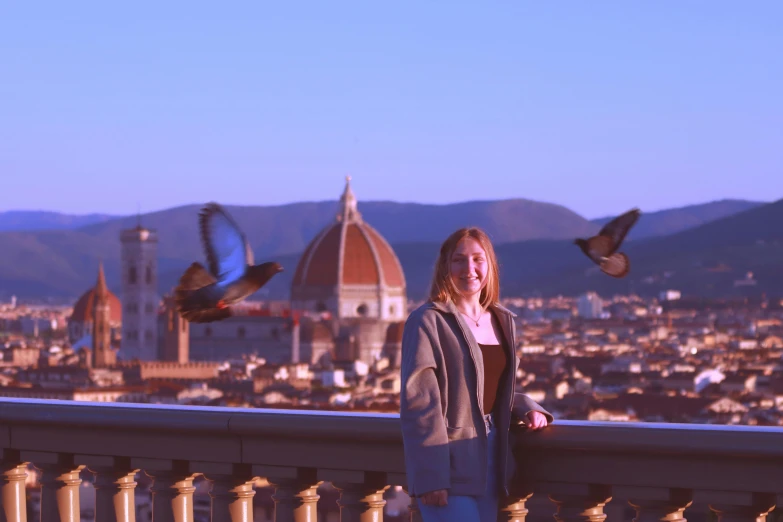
point(349, 257)
point(349, 252)
point(82, 310)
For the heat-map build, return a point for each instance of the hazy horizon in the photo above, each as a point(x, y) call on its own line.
point(229, 204)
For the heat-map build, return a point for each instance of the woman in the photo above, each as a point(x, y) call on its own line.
point(458, 377)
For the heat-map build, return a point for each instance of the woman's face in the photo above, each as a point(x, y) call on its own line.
point(469, 267)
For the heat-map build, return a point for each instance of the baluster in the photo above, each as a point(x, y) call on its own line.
point(360, 502)
point(579, 502)
point(658, 504)
point(514, 509)
point(172, 489)
point(295, 496)
point(361, 494)
point(115, 485)
point(231, 492)
point(742, 507)
point(14, 492)
point(59, 485)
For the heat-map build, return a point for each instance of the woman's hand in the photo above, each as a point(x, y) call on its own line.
point(439, 497)
point(536, 420)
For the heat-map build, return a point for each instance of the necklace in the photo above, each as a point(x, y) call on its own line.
point(474, 320)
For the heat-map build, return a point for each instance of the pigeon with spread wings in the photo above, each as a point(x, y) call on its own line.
point(204, 296)
point(602, 249)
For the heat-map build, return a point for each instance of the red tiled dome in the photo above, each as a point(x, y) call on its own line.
point(349, 252)
point(367, 259)
point(82, 310)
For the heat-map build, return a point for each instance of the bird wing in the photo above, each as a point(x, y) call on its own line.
point(618, 228)
point(208, 315)
point(599, 247)
point(195, 277)
point(228, 252)
point(617, 265)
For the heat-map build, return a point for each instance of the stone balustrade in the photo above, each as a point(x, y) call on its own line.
point(660, 470)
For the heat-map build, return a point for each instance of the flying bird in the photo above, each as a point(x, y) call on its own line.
point(602, 249)
point(204, 296)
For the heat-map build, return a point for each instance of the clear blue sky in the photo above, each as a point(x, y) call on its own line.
point(594, 105)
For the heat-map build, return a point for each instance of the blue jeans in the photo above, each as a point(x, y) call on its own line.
point(483, 508)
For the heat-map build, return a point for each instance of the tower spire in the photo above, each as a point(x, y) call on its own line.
point(348, 204)
point(102, 354)
point(100, 285)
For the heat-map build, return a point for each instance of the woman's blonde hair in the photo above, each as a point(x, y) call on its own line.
point(443, 289)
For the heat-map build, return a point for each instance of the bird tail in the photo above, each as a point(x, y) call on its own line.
point(195, 277)
point(617, 265)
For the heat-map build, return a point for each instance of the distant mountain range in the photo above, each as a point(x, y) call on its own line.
point(702, 261)
point(670, 248)
point(673, 220)
point(15, 220)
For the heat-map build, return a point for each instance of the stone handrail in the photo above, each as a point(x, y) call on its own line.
point(659, 469)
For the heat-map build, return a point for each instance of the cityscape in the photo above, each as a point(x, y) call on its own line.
point(217, 220)
point(335, 345)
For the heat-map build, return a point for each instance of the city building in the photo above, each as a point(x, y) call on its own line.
point(351, 280)
point(140, 302)
point(590, 306)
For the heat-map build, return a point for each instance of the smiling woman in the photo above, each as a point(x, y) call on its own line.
point(467, 266)
point(457, 401)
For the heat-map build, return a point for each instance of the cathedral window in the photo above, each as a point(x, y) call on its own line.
point(241, 332)
point(148, 275)
point(132, 275)
point(362, 310)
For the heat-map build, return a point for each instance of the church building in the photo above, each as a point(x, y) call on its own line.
point(351, 276)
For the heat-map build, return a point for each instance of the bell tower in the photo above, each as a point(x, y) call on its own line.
point(139, 294)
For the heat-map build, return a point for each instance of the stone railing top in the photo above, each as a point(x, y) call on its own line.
point(382, 427)
point(657, 438)
point(661, 438)
point(658, 455)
